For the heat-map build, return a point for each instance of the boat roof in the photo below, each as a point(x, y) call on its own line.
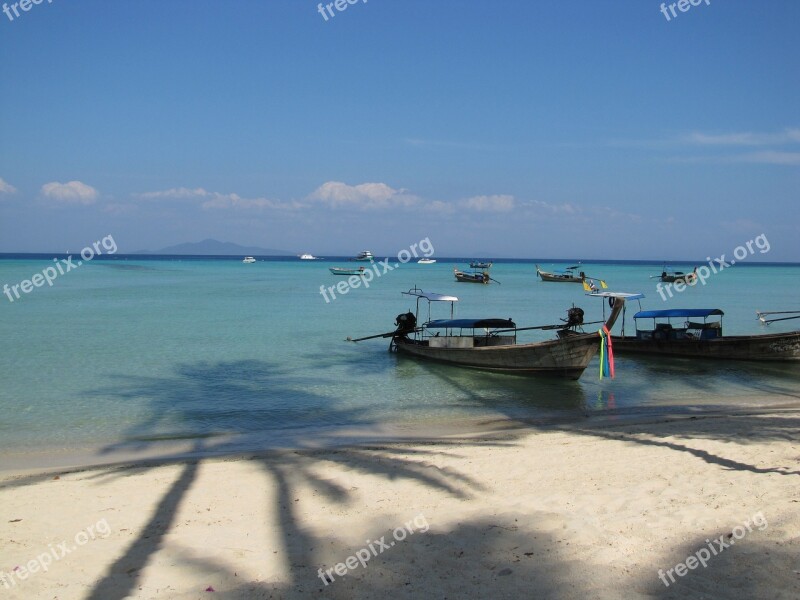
point(430, 296)
point(470, 323)
point(678, 312)
point(623, 295)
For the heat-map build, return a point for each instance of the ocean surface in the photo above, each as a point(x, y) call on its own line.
point(124, 353)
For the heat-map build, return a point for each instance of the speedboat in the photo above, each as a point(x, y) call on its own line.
point(248, 260)
point(426, 261)
point(308, 257)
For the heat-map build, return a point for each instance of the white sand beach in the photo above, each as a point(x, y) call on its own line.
point(589, 510)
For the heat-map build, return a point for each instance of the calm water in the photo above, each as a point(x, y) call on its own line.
point(127, 350)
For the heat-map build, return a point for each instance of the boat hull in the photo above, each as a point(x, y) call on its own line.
point(567, 357)
point(780, 347)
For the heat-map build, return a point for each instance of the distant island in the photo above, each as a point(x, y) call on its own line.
point(211, 247)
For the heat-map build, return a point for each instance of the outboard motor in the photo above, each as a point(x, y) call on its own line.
point(406, 323)
point(574, 317)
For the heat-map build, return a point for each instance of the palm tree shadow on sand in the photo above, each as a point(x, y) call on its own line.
point(181, 403)
point(485, 556)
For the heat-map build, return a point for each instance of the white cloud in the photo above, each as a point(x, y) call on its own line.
point(787, 136)
point(6, 188)
point(234, 201)
point(73, 192)
point(364, 196)
point(555, 208)
point(176, 194)
point(218, 200)
point(496, 203)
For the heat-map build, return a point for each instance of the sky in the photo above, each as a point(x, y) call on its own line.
point(508, 128)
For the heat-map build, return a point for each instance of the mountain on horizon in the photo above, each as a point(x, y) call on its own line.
point(212, 247)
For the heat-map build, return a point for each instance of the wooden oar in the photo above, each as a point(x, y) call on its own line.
point(379, 335)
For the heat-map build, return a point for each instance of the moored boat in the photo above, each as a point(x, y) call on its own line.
point(248, 259)
point(682, 333)
point(476, 277)
point(364, 256)
point(491, 344)
point(308, 257)
point(566, 276)
point(426, 261)
point(677, 276)
point(346, 271)
point(476, 264)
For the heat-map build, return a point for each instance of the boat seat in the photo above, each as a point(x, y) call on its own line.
point(714, 325)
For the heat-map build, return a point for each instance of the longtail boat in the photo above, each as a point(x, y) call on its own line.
point(476, 277)
point(491, 343)
point(346, 271)
point(677, 276)
point(689, 333)
point(567, 276)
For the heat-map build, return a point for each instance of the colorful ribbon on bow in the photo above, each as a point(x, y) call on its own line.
point(606, 353)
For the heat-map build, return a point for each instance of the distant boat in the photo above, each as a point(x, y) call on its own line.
point(426, 261)
point(475, 264)
point(566, 276)
point(677, 276)
point(491, 344)
point(477, 277)
point(364, 256)
point(248, 260)
point(689, 337)
point(344, 271)
point(308, 257)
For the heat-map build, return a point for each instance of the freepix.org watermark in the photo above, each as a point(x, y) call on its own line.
point(682, 5)
point(377, 269)
point(22, 5)
point(715, 547)
point(715, 265)
point(373, 549)
point(55, 552)
point(62, 267)
point(326, 10)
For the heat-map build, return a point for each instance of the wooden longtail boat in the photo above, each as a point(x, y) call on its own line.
point(677, 277)
point(477, 277)
point(477, 264)
point(491, 344)
point(703, 339)
point(568, 276)
point(346, 271)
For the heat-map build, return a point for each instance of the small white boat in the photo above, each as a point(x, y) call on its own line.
point(426, 261)
point(248, 260)
point(308, 257)
point(364, 256)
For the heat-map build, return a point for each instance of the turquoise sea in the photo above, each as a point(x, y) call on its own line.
point(126, 352)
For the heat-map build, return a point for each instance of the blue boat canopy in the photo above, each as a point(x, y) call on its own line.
point(470, 324)
point(678, 312)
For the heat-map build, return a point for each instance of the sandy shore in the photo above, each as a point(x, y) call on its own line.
point(581, 510)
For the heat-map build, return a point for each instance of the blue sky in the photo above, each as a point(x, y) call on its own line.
point(501, 129)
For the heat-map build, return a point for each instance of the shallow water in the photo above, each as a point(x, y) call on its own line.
point(147, 349)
